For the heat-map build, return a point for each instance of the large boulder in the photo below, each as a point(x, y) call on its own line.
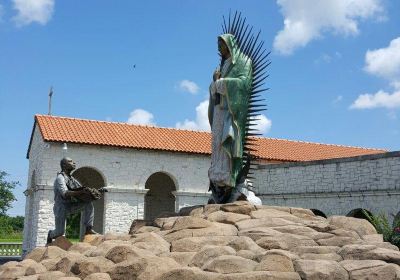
point(320, 270)
point(188, 273)
point(227, 217)
point(62, 243)
point(240, 207)
point(261, 275)
point(66, 263)
point(12, 272)
point(361, 226)
point(196, 211)
point(142, 268)
point(209, 252)
point(276, 262)
point(98, 276)
point(165, 223)
point(42, 253)
point(216, 229)
point(265, 222)
point(229, 264)
point(245, 243)
point(285, 241)
point(81, 247)
point(222, 242)
point(183, 258)
point(386, 272)
point(91, 265)
point(189, 222)
point(32, 267)
point(194, 244)
point(152, 242)
point(258, 232)
point(119, 253)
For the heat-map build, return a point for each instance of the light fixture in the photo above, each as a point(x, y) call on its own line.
point(64, 149)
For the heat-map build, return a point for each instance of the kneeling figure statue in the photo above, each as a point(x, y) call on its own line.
point(71, 197)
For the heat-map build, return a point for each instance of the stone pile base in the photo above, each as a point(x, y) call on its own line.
point(231, 241)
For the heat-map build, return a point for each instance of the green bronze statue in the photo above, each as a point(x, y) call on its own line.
point(232, 112)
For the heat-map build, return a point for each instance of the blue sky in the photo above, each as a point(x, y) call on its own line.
point(334, 78)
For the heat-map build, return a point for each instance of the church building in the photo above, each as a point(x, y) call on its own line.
point(149, 170)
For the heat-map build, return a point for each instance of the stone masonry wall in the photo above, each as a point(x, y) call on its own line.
point(334, 186)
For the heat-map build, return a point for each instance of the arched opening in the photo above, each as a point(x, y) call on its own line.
point(318, 213)
point(360, 213)
point(159, 198)
point(92, 178)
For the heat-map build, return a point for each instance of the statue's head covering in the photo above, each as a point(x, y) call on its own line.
point(232, 45)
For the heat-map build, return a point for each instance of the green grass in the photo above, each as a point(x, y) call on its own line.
point(11, 237)
point(11, 240)
point(74, 240)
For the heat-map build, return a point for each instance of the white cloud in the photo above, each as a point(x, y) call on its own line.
point(263, 124)
point(201, 122)
point(306, 20)
point(385, 62)
point(380, 99)
point(29, 11)
point(188, 86)
point(140, 116)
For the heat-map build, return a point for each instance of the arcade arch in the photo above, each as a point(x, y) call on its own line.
point(359, 213)
point(91, 177)
point(159, 198)
point(318, 213)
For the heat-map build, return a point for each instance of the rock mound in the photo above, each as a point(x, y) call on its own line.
point(231, 241)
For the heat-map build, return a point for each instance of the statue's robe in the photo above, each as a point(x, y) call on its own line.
point(228, 117)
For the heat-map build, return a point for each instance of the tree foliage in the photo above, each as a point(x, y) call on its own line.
point(11, 226)
point(6, 194)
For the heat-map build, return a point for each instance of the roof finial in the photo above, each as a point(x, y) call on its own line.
point(50, 95)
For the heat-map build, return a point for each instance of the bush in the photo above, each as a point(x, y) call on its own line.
point(11, 227)
point(381, 223)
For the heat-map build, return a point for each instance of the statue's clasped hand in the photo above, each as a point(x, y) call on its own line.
point(216, 75)
point(103, 190)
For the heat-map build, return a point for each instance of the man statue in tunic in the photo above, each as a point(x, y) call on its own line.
point(67, 193)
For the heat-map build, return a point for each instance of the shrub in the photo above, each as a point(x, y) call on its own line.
point(381, 223)
point(11, 227)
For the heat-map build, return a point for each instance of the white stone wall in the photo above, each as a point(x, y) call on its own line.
point(334, 186)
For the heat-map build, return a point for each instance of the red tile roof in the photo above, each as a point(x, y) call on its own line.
point(71, 130)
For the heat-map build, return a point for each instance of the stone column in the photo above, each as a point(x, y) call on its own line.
point(122, 206)
point(42, 215)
